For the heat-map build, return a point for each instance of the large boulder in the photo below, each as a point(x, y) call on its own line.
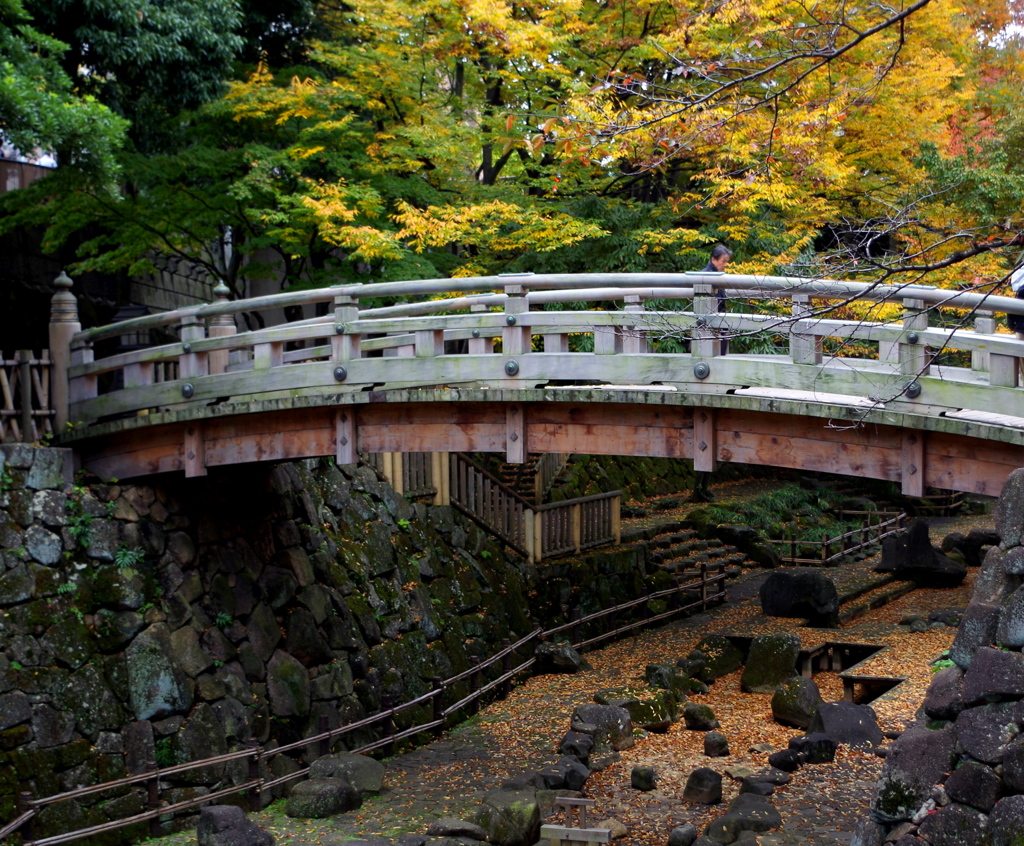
point(365, 774)
point(803, 592)
point(610, 726)
point(704, 786)
point(917, 761)
point(772, 660)
point(318, 798)
point(994, 674)
point(558, 658)
point(844, 722)
point(795, 702)
point(747, 812)
point(227, 825)
point(510, 817)
point(699, 717)
point(955, 825)
point(722, 655)
point(911, 557)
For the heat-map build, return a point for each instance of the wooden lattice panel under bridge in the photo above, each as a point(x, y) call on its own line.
point(26, 414)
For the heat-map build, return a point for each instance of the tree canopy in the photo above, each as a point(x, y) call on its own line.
point(394, 139)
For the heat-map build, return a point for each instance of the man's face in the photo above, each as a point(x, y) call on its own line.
point(720, 262)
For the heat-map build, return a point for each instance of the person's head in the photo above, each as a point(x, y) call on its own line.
point(720, 256)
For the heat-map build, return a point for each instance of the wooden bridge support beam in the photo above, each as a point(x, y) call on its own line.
point(515, 433)
point(912, 470)
point(705, 440)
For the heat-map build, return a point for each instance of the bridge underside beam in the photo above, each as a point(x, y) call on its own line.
point(915, 459)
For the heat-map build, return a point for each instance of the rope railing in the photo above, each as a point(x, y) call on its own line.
point(257, 784)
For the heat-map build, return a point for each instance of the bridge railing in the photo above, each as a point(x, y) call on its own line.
point(463, 332)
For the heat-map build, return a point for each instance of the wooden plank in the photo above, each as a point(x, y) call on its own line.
point(451, 427)
point(346, 447)
point(609, 429)
point(705, 440)
point(194, 450)
point(515, 433)
point(912, 470)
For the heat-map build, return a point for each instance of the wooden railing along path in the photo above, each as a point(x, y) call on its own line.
point(833, 550)
point(709, 588)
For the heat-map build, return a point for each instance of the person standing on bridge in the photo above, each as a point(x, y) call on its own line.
point(720, 256)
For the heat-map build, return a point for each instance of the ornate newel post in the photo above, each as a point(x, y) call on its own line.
point(220, 326)
point(64, 324)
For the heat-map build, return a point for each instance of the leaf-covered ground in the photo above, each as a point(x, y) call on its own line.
point(820, 806)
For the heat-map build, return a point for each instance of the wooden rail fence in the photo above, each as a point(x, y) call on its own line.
point(834, 549)
point(691, 595)
point(26, 413)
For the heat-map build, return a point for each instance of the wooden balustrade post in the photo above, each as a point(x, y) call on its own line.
point(506, 668)
point(703, 585)
point(984, 324)
point(914, 358)
point(438, 703)
point(64, 324)
point(530, 517)
point(346, 343)
point(388, 725)
point(477, 344)
point(577, 528)
point(474, 681)
point(25, 804)
point(323, 726)
point(574, 632)
point(515, 337)
point(221, 326)
point(153, 797)
point(191, 363)
point(824, 549)
point(254, 774)
point(25, 377)
point(804, 348)
point(635, 338)
point(705, 343)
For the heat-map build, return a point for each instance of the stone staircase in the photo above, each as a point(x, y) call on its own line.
point(679, 552)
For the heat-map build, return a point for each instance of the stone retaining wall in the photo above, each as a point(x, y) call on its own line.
point(177, 620)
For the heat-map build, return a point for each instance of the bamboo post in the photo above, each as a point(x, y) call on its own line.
point(64, 324)
point(25, 377)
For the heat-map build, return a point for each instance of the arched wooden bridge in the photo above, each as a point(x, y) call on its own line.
point(489, 364)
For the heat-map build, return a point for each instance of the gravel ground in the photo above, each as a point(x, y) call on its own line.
point(820, 806)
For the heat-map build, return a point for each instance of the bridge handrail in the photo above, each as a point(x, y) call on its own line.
point(779, 285)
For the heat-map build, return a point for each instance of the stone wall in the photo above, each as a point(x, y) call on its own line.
point(178, 620)
point(956, 776)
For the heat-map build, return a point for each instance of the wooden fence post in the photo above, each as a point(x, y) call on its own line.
point(703, 585)
point(25, 377)
point(24, 806)
point(506, 667)
point(254, 773)
point(435, 684)
point(153, 797)
point(323, 726)
point(388, 725)
point(474, 681)
point(64, 324)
